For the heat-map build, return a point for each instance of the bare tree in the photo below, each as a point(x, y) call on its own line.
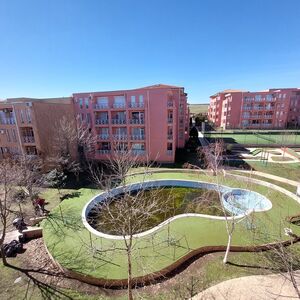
point(133, 213)
point(9, 178)
point(213, 159)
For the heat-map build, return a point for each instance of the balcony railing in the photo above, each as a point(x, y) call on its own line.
point(119, 105)
point(138, 152)
point(170, 136)
point(120, 137)
point(28, 139)
point(136, 121)
point(118, 121)
point(170, 120)
point(170, 104)
point(137, 137)
point(103, 136)
point(170, 152)
point(101, 106)
point(136, 105)
point(101, 121)
point(103, 151)
point(7, 121)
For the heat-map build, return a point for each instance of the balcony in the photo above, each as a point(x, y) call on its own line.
point(170, 152)
point(138, 152)
point(136, 137)
point(137, 121)
point(170, 120)
point(119, 105)
point(103, 151)
point(120, 137)
point(118, 121)
point(101, 121)
point(103, 136)
point(170, 104)
point(170, 136)
point(8, 121)
point(101, 106)
point(136, 105)
point(28, 139)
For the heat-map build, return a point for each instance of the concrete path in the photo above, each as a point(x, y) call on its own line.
point(263, 287)
point(274, 177)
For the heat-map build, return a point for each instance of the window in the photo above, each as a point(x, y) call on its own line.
point(102, 102)
point(132, 98)
point(141, 99)
point(119, 101)
point(80, 102)
point(86, 102)
point(14, 136)
point(257, 97)
point(7, 135)
point(22, 116)
point(269, 97)
point(88, 118)
point(169, 146)
point(28, 115)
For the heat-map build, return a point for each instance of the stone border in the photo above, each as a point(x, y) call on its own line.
point(168, 182)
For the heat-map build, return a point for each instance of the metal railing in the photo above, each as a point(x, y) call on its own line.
point(28, 139)
point(136, 121)
point(170, 120)
point(119, 105)
point(101, 121)
point(101, 106)
point(137, 137)
point(120, 136)
point(136, 105)
point(170, 152)
point(103, 136)
point(138, 152)
point(103, 151)
point(8, 121)
point(118, 121)
point(170, 136)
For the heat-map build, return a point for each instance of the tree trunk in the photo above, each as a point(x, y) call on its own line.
point(129, 277)
point(227, 249)
point(4, 261)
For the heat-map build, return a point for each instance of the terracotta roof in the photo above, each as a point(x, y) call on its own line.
point(160, 86)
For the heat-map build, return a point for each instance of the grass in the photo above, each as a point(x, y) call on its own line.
point(198, 108)
point(255, 138)
point(69, 242)
point(289, 171)
point(286, 186)
point(281, 158)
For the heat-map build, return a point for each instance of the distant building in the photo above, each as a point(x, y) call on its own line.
point(271, 109)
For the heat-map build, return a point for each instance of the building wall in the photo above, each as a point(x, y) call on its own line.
point(160, 103)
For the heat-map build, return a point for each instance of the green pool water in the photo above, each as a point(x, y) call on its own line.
point(131, 215)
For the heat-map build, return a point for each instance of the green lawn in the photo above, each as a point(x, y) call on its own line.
point(198, 108)
point(70, 243)
point(256, 138)
point(289, 171)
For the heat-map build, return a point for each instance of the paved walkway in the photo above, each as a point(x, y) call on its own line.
point(274, 177)
point(262, 287)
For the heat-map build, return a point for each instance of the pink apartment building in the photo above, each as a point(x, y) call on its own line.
point(271, 109)
point(151, 121)
point(29, 126)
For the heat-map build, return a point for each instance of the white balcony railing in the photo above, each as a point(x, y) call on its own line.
point(119, 105)
point(103, 136)
point(118, 121)
point(137, 121)
point(170, 152)
point(101, 121)
point(120, 137)
point(138, 152)
point(7, 121)
point(28, 139)
point(103, 151)
point(136, 105)
point(101, 106)
point(137, 137)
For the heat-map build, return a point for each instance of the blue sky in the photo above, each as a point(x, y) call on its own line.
point(54, 48)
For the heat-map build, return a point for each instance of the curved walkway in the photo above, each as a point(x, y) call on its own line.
point(270, 176)
point(263, 287)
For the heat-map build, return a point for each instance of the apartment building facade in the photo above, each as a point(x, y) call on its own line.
point(271, 109)
point(152, 121)
point(29, 126)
